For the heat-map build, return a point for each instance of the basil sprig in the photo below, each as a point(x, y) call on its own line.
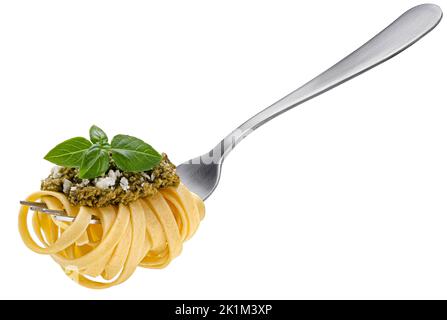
point(133, 154)
point(93, 157)
point(94, 163)
point(69, 153)
point(97, 135)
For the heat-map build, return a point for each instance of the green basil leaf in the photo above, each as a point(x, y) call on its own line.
point(69, 153)
point(132, 154)
point(97, 135)
point(94, 163)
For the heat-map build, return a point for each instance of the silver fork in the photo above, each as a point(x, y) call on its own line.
point(201, 174)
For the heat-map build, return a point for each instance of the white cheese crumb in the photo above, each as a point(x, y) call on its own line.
point(124, 183)
point(114, 174)
point(84, 182)
point(66, 186)
point(104, 183)
point(73, 189)
point(109, 181)
point(56, 172)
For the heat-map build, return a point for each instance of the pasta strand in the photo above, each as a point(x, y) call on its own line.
point(149, 232)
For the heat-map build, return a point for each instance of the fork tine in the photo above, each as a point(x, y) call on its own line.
point(42, 207)
point(60, 215)
point(49, 211)
point(33, 204)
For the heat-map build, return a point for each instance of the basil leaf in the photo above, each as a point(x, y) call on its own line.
point(97, 135)
point(69, 153)
point(132, 154)
point(94, 163)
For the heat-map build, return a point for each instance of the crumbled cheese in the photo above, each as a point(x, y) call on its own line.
point(104, 183)
point(56, 172)
point(114, 174)
point(109, 181)
point(124, 183)
point(73, 189)
point(66, 185)
point(84, 182)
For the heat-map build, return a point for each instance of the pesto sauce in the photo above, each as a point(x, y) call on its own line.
point(114, 188)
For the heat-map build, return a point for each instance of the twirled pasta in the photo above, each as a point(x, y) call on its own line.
point(149, 232)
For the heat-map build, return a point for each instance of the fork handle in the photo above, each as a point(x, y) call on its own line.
point(399, 35)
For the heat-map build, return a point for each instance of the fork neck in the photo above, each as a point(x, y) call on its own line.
point(399, 35)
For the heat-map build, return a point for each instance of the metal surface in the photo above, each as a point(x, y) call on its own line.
point(60, 215)
point(201, 175)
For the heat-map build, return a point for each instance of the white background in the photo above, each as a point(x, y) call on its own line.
point(343, 197)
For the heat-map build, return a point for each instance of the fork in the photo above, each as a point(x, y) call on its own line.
point(202, 174)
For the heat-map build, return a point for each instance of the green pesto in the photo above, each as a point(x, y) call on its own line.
point(86, 193)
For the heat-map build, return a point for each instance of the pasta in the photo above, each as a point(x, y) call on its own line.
point(148, 232)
